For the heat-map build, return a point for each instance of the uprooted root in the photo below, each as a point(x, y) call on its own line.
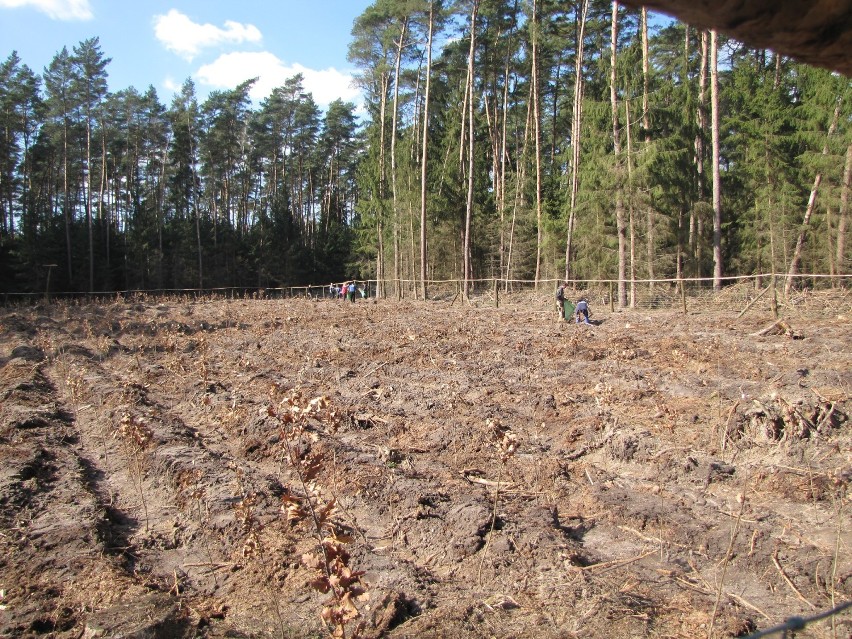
point(779, 420)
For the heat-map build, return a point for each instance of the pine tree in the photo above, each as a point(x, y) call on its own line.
point(90, 87)
point(59, 78)
point(20, 114)
point(184, 182)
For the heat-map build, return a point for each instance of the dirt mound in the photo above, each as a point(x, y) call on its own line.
point(294, 468)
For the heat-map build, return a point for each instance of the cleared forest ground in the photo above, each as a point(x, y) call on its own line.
point(164, 465)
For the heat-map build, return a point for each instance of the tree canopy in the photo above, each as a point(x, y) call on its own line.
point(551, 136)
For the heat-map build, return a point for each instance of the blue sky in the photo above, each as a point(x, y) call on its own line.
point(216, 43)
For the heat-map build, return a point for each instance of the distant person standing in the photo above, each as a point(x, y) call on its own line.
point(560, 300)
point(351, 291)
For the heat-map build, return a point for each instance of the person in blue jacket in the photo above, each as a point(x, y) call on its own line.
point(582, 308)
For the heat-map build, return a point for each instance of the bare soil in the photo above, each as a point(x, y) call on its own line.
point(168, 467)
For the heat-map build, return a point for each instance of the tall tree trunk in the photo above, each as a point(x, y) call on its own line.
point(843, 213)
point(520, 178)
point(797, 252)
point(696, 220)
point(463, 122)
point(397, 275)
point(380, 230)
point(423, 170)
point(770, 211)
point(503, 158)
point(25, 171)
point(537, 133)
point(66, 195)
point(717, 181)
point(630, 211)
point(470, 167)
point(413, 159)
point(646, 119)
point(88, 196)
point(554, 112)
point(102, 216)
point(160, 197)
point(128, 203)
point(195, 205)
point(681, 217)
point(576, 122)
point(494, 138)
point(777, 81)
point(621, 228)
point(646, 128)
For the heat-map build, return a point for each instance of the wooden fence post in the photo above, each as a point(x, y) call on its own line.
point(774, 302)
point(47, 287)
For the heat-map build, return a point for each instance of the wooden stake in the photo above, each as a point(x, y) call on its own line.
point(751, 303)
point(774, 298)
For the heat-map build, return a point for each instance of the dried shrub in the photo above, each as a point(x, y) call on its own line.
point(329, 562)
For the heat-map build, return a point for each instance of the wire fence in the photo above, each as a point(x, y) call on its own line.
point(766, 291)
point(794, 624)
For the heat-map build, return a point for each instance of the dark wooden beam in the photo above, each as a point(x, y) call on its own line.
point(818, 32)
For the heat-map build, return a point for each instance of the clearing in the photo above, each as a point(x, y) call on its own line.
point(492, 472)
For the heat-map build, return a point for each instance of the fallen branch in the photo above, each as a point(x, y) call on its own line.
point(707, 590)
point(414, 449)
point(176, 587)
point(488, 482)
point(615, 563)
point(826, 417)
point(787, 579)
point(803, 472)
point(204, 564)
point(577, 453)
point(778, 327)
point(692, 586)
point(657, 540)
point(748, 605)
point(733, 516)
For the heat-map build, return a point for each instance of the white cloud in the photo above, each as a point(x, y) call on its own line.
point(171, 85)
point(180, 34)
point(56, 9)
point(228, 70)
